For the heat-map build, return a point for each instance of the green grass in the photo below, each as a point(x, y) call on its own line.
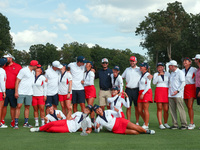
point(163, 139)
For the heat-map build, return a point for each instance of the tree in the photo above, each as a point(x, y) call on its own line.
point(21, 57)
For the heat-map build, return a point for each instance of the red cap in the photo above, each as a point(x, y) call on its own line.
point(133, 58)
point(39, 66)
point(34, 63)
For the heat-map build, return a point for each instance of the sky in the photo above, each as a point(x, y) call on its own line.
point(108, 23)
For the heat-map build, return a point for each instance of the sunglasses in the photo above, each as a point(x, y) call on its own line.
point(104, 63)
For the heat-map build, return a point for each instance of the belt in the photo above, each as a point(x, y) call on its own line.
point(9, 89)
point(104, 89)
point(132, 88)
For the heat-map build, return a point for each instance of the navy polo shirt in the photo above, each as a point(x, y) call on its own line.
point(104, 79)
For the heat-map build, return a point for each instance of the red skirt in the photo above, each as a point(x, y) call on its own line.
point(161, 95)
point(189, 91)
point(147, 97)
point(90, 92)
point(1, 96)
point(64, 97)
point(120, 126)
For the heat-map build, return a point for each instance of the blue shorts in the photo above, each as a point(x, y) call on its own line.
point(10, 98)
point(78, 96)
point(52, 99)
point(132, 95)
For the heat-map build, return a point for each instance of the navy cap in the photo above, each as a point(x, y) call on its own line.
point(160, 64)
point(87, 61)
point(187, 58)
point(115, 88)
point(116, 68)
point(48, 105)
point(96, 107)
point(144, 65)
point(3, 61)
point(90, 107)
point(65, 65)
point(81, 59)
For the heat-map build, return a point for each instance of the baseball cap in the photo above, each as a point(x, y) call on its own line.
point(173, 63)
point(144, 65)
point(48, 105)
point(81, 59)
point(8, 56)
point(90, 107)
point(87, 61)
point(116, 68)
point(133, 58)
point(34, 63)
point(65, 65)
point(57, 64)
point(160, 64)
point(115, 88)
point(187, 58)
point(197, 56)
point(3, 61)
point(96, 107)
point(104, 60)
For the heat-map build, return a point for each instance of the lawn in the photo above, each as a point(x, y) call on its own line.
point(163, 139)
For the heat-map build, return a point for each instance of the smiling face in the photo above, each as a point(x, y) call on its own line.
point(133, 63)
point(104, 65)
point(50, 110)
point(114, 92)
point(38, 70)
point(86, 111)
point(143, 69)
point(115, 72)
point(99, 111)
point(160, 68)
point(88, 66)
point(186, 63)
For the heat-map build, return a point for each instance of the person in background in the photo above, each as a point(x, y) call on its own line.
point(161, 80)
point(190, 89)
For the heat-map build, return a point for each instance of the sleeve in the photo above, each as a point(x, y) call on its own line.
point(89, 123)
point(155, 78)
point(124, 74)
point(126, 103)
point(20, 74)
point(2, 82)
point(182, 79)
point(111, 99)
point(62, 115)
point(45, 86)
point(115, 114)
point(69, 77)
point(74, 114)
point(148, 85)
point(121, 83)
point(95, 124)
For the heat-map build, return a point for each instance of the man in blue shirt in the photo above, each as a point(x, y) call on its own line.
point(104, 83)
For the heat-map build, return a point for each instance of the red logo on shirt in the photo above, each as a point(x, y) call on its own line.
point(193, 75)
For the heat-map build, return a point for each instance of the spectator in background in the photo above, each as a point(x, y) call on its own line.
point(12, 69)
point(104, 83)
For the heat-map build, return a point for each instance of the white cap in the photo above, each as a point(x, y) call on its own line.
point(9, 56)
point(173, 63)
point(57, 64)
point(197, 56)
point(104, 60)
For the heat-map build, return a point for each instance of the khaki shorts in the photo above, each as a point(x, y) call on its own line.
point(103, 95)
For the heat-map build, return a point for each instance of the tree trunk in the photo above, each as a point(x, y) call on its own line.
point(169, 52)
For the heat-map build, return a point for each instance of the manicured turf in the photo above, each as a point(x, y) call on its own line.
point(163, 139)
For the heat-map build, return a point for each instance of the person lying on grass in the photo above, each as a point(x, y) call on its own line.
point(112, 121)
point(72, 123)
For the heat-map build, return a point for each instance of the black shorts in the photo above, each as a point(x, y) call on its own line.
point(78, 96)
point(132, 95)
point(52, 99)
point(198, 98)
point(10, 98)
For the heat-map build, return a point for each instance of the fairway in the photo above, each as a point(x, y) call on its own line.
point(163, 139)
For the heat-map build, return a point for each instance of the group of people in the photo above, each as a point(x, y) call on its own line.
point(74, 83)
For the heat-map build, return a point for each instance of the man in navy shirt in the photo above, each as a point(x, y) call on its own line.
point(104, 83)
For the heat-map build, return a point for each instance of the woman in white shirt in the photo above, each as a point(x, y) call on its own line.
point(190, 89)
point(161, 80)
point(39, 95)
point(88, 82)
point(145, 94)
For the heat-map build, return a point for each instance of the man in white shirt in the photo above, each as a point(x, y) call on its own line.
point(78, 94)
point(176, 88)
point(52, 75)
point(24, 92)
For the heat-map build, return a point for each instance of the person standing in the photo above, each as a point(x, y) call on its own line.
point(176, 88)
point(104, 83)
point(2, 88)
point(190, 89)
point(78, 94)
point(12, 69)
point(24, 92)
point(161, 80)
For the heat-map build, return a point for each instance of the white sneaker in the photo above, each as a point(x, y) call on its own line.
point(145, 127)
point(137, 123)
point(34, 129)
point(167, 126)
point(3, 126)
point(161, 127)
point(191, 126)
point(151, 132)
point(36, 124)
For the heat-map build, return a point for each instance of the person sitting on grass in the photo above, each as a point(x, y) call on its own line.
point(117, 101)
point(110, 120)
point(72, 123)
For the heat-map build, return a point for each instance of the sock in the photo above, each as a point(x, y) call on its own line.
point(16, 120)
point(42, 120)
point(36, 120)
point(25, 120)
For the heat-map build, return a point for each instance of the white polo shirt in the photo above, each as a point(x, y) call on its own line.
point(145, 83)
point(177, 82)
point(52, 81)
point(27, 79)
point(2, 80)
point(89, 78)
point(40, 86)
point(159, 81)
point(75, 123)
point(132, 76)
point(64, 83)
point(117, 82)
point(190, 75)
point(77, 75)
point(52, 118)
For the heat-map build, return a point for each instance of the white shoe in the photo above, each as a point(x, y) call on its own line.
point(167, 126)
point(137, 123)
point(191, 126)
point(34, 130)
point(36, 124)
point(161, 127)
point(151, 132)
point(145, 127)
point(3, 126)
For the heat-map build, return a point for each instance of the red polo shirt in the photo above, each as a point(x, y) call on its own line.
point(11, 73)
